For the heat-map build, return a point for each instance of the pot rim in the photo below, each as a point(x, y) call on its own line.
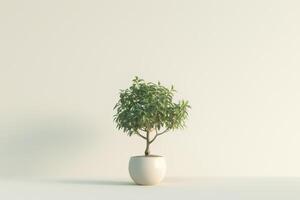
point(149, 156)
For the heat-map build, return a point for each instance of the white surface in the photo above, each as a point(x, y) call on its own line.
point(62, 63)
point(147, 170)
point(200, 188)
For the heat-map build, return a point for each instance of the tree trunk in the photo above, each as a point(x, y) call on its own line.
point(147, 151)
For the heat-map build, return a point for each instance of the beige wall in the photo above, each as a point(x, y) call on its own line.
point(63, 62)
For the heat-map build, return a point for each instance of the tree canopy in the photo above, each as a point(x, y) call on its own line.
point(145, 106)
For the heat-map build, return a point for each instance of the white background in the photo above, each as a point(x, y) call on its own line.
point(62, 64)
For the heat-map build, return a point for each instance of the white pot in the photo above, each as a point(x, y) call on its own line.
point(147, 170)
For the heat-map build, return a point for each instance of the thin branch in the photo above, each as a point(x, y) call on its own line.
point(141, 136)
point(158, 134)
point(163, 132)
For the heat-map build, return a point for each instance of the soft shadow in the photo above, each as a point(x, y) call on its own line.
point(33, 145)
point(97, 182)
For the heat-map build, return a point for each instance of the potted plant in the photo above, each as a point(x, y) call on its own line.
point(147, 110)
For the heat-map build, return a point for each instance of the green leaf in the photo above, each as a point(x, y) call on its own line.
point(146, 105)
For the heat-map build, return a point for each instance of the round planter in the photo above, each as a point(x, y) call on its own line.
point(147, 170)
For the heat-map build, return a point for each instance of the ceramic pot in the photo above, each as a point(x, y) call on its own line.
point(147, 170)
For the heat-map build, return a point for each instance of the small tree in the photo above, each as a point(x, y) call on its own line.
point(145, 107)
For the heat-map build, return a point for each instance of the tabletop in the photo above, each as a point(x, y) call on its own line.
point(208, 188)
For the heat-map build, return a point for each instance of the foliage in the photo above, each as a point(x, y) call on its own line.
point(145, 106)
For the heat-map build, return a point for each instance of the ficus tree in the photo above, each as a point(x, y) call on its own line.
point(146, 107)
